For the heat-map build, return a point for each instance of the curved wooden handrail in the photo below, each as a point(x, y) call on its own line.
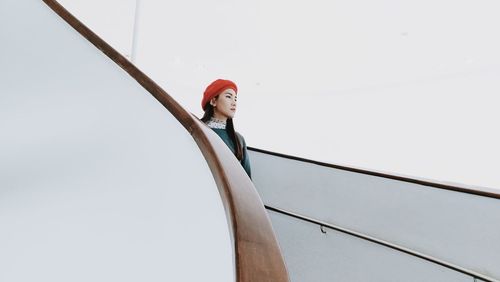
point(480, 191)
point(257, 256)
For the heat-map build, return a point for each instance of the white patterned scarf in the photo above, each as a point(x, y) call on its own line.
point(216, 123)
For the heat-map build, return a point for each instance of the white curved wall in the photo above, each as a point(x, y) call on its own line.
point(321, 256)
point(98, 181)
point(458, 228)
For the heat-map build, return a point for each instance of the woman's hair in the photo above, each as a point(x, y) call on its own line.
point(209, 112)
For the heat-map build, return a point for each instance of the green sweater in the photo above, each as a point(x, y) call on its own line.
point(245, 161)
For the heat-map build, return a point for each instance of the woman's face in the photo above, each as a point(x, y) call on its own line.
point(225, 104)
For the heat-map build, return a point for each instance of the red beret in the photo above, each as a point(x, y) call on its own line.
point(215, 88)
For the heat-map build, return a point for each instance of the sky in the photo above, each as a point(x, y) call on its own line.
point(402, 87)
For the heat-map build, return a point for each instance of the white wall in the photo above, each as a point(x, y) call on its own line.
point(406, 87)
point(323, 256)
point(98, 181)
point(458, 228)
point(113, 20)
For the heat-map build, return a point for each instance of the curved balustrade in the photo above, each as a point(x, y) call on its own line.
point(437, 229)
point(99, 182)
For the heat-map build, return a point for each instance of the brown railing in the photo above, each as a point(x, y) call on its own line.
point(485, 192)
point(257, 256)
point(480, 191)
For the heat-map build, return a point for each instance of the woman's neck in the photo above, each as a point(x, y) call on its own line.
point(216, 123)
point(219, 117)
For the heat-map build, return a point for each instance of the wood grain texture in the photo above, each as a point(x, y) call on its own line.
point(256, 253)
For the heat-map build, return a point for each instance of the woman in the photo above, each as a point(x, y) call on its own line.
point(219, 104)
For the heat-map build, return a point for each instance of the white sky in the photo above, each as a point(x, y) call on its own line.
point(405, 87)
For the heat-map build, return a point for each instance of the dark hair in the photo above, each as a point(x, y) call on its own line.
point(209, 112)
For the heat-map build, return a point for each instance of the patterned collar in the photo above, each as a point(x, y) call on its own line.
point(216, 123)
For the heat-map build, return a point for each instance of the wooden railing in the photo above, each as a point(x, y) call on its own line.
point(474, 190)
point(257, 256)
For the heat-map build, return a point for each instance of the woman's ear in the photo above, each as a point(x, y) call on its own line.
point(212, 101)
